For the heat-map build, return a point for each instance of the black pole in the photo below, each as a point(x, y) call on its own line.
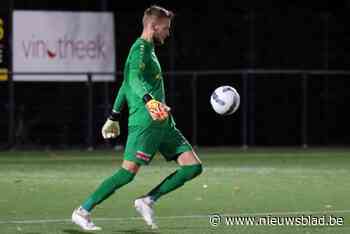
point(251, 79)
point(11, 106)
point(106, 98)
point(11, 85)
point(326, 81)
point(244, 111)
point(90, 112)
point(304, 112)
point(194, 106)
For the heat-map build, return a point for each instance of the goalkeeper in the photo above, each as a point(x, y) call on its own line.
point(151, 128)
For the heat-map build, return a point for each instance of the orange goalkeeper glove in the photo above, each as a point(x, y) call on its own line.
point(158, 111)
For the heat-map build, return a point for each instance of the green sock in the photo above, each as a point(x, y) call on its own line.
point(175, 180)
point(108, 187)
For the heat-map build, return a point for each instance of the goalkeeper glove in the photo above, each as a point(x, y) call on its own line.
point(111, 128)
point(158, 111)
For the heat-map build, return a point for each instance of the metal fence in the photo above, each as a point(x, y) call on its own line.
point(278, 107)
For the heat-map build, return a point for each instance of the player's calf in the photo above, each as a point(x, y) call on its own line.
point(175, 180)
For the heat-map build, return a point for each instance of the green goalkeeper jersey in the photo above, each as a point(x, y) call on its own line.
point(142, 75)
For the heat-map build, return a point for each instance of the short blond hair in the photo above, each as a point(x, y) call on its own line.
point(157, 12)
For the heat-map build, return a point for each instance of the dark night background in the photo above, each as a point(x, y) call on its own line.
point(210, 36)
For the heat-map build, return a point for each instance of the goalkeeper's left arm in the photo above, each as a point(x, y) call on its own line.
point(111, 128)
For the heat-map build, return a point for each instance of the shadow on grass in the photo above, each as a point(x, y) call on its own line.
point(136, 231)
point(161, 230)
point(72, 231)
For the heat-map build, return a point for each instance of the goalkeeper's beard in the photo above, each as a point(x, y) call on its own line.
point(157, 41)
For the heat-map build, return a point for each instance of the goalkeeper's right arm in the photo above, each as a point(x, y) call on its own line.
point(111, 128)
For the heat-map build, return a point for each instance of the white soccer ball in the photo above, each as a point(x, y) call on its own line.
point(225, 100)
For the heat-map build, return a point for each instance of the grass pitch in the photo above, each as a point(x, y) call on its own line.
point(39, 189)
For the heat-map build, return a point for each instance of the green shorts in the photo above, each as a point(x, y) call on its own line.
point(144, 142)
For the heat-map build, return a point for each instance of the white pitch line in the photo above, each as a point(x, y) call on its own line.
point(40, 221)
